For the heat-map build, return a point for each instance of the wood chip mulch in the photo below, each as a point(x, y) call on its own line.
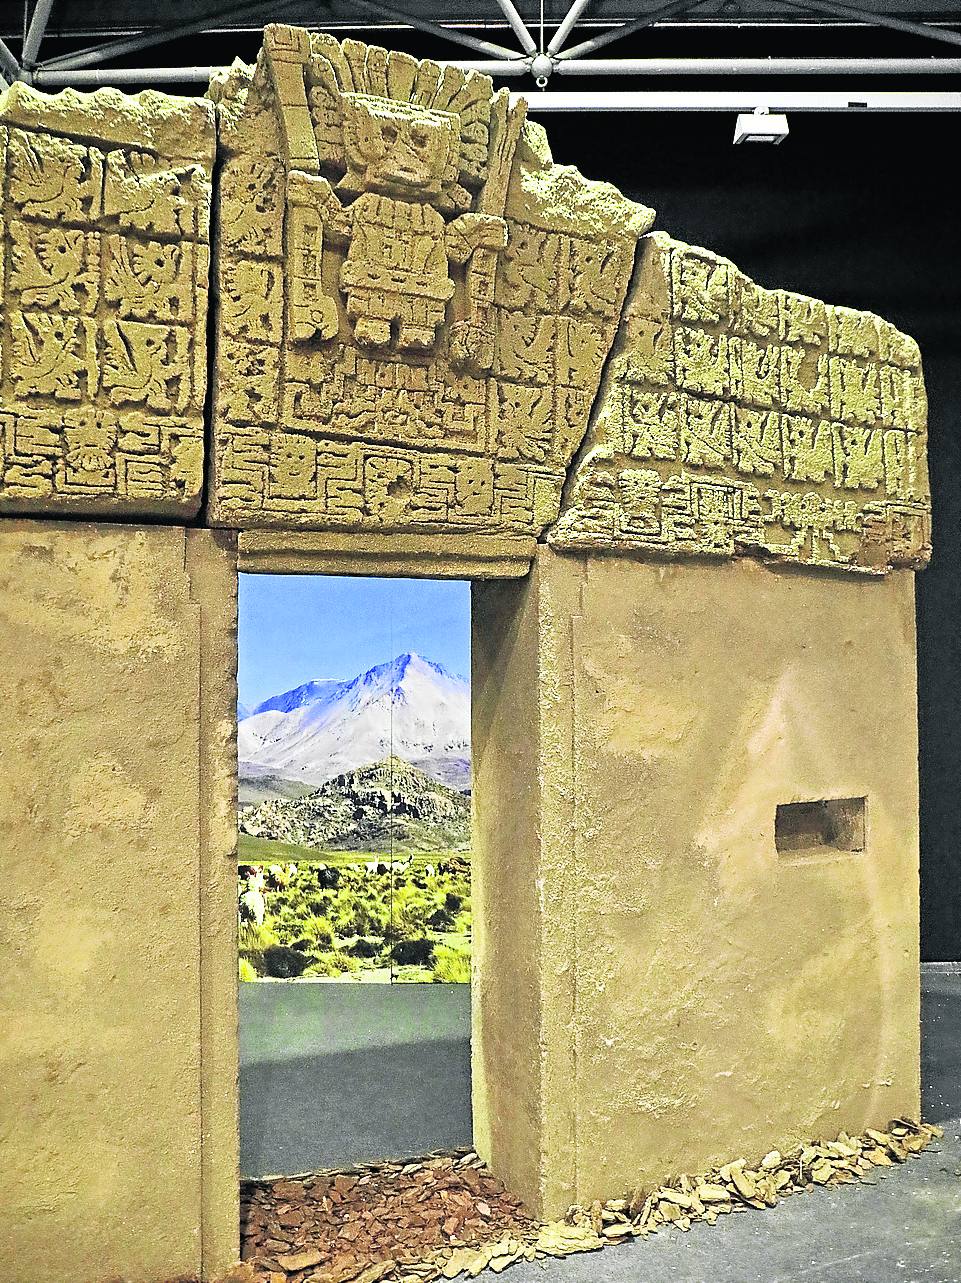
point(446, 1216)
point(388, 1218)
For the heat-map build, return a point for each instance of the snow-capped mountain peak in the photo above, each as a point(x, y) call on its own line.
point(296, 698)
point(410, 707)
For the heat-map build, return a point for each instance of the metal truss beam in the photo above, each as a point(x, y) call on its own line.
point(759, 67)
point(838, 9)
point(567, 25)
point(516, 22)
point(35, 32)
point(670, 9)
point(715, 101)
point(94, 55)
point(845, 100)
point(731, 67)
point(450, 34)
point(97, 54)
point(92, 78)
point(9, 66)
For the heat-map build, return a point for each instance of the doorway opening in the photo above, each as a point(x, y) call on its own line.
point(353, 893)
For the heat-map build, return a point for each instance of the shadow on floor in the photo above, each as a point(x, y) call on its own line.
point(940, 1044)
point(335, 1074)
point(332, 1074)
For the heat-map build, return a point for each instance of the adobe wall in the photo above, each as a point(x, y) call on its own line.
point(660, 987)
point(119, 913)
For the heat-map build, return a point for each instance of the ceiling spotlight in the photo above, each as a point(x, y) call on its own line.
point(760, 127)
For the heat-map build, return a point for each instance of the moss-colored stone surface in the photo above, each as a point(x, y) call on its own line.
point(738, 420)
point(658, 987)
point(117, 837)
point(104, 220)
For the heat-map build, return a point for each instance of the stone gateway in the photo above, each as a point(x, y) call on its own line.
point(692, 508)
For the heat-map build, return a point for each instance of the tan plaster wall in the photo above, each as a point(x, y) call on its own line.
point(694, 995)
point(103, 820)
point(505, 953)
point(212, 567)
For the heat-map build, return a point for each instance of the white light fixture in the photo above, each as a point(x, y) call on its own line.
point(761, 126)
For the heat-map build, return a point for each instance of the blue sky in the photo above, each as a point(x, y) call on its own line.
point(296, 628)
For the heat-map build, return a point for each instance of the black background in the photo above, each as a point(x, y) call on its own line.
point(859, 210)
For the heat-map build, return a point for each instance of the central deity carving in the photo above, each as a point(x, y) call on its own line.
point(402, 207)
point(415, 301)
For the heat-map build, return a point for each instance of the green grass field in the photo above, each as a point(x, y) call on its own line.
point(326, 917)
point(251, 850)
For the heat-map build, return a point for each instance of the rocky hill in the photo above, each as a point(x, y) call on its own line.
point(410, 708)
point(389, 805)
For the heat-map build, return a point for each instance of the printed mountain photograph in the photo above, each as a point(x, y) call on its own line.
point(354, 807)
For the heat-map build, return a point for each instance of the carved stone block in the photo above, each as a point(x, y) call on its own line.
point(415, 303)
point(104, 224)
point(769, 423)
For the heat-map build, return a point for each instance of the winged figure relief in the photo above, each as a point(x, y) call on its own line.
point(405, 168)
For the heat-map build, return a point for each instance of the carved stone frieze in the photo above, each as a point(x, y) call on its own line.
point(104, 222)
point(737, 420)
point(415, 302)
point(422, 325)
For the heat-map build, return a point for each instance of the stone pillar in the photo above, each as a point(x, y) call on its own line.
point(120, 1152)
point(663, 980)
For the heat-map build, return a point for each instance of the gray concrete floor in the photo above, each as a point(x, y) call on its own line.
point(333, 1074)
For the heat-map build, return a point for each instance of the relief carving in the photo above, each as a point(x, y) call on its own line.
point(104, 229)
point(410, 338)
point(765, 423)
point(421, 321)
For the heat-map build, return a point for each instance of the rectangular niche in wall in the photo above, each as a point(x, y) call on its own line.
point(829, 827)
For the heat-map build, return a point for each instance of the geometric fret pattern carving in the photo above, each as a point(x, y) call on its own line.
point(734, 419)
point(415, 303)
point(424, 326)
point(104, 223)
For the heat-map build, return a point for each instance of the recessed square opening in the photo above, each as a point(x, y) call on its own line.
point(827, 827)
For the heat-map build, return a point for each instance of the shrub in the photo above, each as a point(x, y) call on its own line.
point(409, 909)
point(246, 970)
point(280, 962)
point(451, 965)
point(250, 937)
point(366, 947)
point(413, 953)
point(335, 963)
point(315, 934)
point(333, 922)
point(363, 918)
